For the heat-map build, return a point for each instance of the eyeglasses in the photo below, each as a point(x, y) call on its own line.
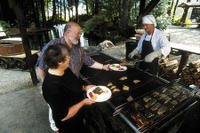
point(76, 33)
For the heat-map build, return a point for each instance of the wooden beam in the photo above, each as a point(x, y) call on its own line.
point(21, 19)
point(146, 11)
point(183, 19)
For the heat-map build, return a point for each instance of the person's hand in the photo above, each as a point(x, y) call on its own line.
point(88, 101)
point(150, 57)
point(106, 67)
point(198, 92)
point(133, 53)
point(87, 87)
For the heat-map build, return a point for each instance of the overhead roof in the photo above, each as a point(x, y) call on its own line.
point(190, 4)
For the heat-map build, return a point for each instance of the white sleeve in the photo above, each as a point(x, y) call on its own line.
point(160, 42)
point(164, 46)
point(139, 46)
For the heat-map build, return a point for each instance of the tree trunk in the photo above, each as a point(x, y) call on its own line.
point(183, 18)
point(36, 20)
point(171, 7)
point(43, 13)
point(175, 9)
point(48, 9)
point(37, 13)
point(86, 4)
point(70, 3)
point(76, 6)
point(146, 11)
point(54, 11)
point(142, 6)
point(125, 17)
point(60, 10)
point(21, 19)
point(69, 14)
point(96, 7)
point(64, 6)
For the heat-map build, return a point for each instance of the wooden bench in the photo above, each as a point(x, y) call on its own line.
point(191, 23)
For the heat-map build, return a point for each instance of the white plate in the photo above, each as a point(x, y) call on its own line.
point(118, 67)
point(103, 96)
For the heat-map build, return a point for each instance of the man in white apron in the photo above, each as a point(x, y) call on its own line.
point(151, 46)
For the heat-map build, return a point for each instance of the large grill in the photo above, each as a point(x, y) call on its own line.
point(150, 111)
point(156, 102)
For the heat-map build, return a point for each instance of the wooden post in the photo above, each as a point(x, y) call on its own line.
point(183, 61)
point(183, 19)
point(29, 60)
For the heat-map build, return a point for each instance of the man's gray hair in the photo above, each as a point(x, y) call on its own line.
point(67, 26)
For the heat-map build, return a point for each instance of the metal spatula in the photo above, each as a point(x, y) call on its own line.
point(120, 107)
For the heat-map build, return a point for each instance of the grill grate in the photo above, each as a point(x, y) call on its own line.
point(150, 110)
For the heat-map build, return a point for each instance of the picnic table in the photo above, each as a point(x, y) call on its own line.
point(185, 51)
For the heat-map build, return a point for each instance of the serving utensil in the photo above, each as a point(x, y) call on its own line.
point(120, 107)
point(132, 63)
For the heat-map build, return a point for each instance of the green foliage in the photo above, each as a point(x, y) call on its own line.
point(188, 21)
point(163, 22)
point(160, 13)
point(95, 27)
point(5, 26)
point(176, 20)
point(99, 29)
point(93, 23)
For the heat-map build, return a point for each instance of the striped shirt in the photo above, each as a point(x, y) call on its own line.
point(78, 57)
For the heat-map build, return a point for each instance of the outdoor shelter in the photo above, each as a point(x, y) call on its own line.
point(186, 7)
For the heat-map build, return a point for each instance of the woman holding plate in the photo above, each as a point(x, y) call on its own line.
point(61, 90)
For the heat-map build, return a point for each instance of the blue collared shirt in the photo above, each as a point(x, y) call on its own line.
point(78, 57)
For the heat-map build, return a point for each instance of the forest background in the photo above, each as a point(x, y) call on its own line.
point(114, 20)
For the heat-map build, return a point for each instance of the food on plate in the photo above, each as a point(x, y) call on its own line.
point(125, 88)
point(109, 84)
point(115, 90)
point(92, 96)
point(99, 93)
point(117, 67)
point(136, 81)
point(123, 78)
point(98, 90)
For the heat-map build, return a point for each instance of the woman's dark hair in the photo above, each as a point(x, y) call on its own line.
point(54, 54)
